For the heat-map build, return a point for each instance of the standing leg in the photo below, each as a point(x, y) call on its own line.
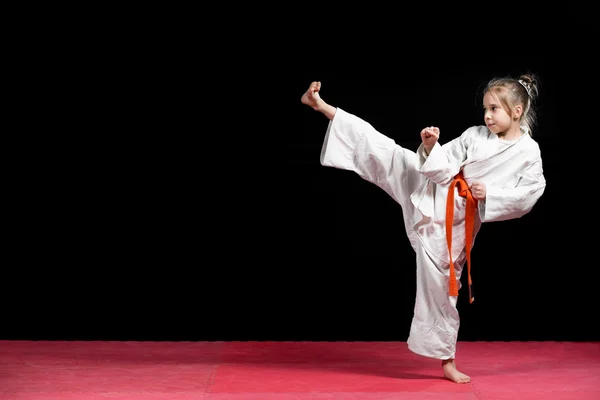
point(435, 323)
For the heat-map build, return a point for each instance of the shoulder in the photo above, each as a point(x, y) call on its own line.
point(478, 130)
point(475, 132)
point(531, 145)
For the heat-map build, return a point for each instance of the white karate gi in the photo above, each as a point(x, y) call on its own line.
point(511, 170)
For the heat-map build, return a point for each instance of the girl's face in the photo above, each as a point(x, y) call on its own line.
point(496, 118)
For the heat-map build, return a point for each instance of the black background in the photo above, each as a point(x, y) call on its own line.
point(184, 200)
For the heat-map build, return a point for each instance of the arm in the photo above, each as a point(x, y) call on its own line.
point(503, 203)
point(442, 163)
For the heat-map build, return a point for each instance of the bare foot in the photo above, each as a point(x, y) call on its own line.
point(452, 373)
point(311, 96)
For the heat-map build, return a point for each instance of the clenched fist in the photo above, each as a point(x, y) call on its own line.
point(478, 190)
point(430, 136)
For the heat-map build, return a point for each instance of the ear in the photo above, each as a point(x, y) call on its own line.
point(518, 112)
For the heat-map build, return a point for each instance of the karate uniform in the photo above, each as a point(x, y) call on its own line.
point(511, 170)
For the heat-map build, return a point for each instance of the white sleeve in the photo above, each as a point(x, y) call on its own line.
point(444, 162)
point(503, 203)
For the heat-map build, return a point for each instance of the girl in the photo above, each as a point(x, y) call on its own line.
point(491, 172)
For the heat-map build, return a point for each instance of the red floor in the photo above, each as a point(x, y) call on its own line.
point(36, 370)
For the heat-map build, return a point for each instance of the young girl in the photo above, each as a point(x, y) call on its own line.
point(491, 172)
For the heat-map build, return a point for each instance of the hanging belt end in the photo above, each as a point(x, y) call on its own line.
point(471, 297)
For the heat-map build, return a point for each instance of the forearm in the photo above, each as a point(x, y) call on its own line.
point(502, 204)
point(435, 164)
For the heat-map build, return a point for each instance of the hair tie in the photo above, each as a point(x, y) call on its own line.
point(526, 86)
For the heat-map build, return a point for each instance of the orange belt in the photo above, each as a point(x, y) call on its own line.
point(463, 191)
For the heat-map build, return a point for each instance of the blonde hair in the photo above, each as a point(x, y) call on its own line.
point(511, 92)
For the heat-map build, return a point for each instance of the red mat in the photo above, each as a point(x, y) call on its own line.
point(36, 370)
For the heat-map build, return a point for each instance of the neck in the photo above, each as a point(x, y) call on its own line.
point(512, 133)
